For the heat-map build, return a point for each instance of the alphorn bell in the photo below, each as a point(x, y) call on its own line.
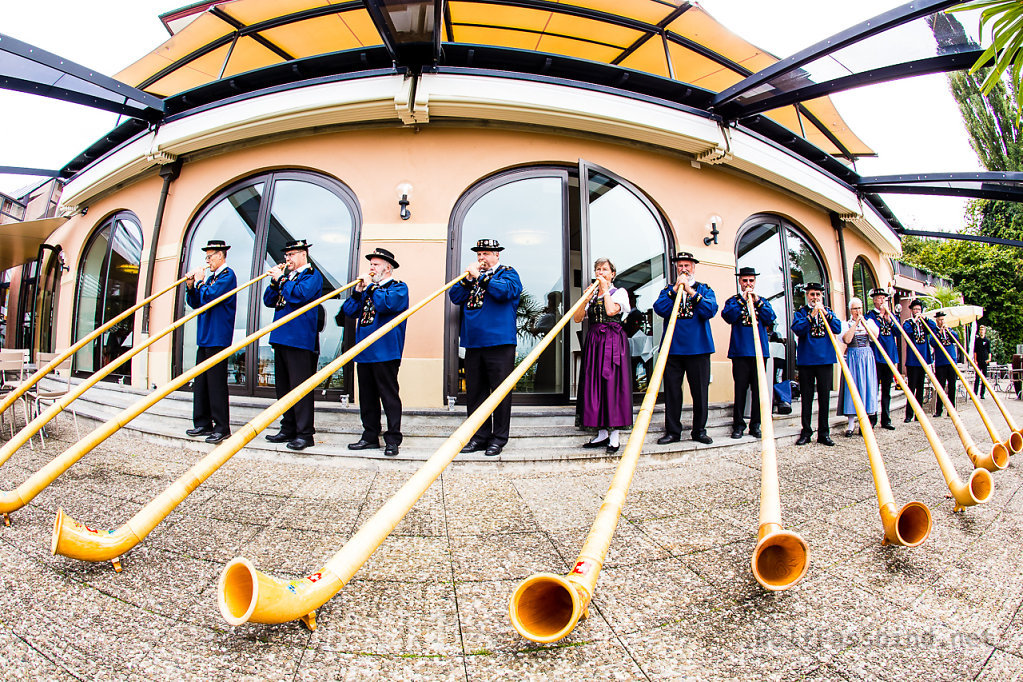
point(995, 438)
point(546, 607)
point(998, 458)
point(24, 493)
point(9, 398)
point(781, 556)
point(910, 525)
point(1015, 441)
point(30, 429)
point(980, 486)
point(247, 594)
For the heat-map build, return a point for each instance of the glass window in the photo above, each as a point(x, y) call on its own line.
point(107, 286)
point(863, 281)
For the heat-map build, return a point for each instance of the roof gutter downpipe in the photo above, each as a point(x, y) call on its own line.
point(169, 172)
point(839, 225)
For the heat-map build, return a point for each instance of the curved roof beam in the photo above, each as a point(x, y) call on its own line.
point(994, 185)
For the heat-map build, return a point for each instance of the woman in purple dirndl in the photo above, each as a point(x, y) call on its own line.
point(605, 385)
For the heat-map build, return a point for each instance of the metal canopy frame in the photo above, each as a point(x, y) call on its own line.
point(113, 96)
point(995, 185)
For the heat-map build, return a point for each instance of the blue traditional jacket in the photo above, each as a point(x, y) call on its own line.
point(288, 295)
point(813, 347)
point(488, 308)
point(921, 339)
point(735, 313)
point(692, 330)
point(372, 309)
point(216, 325)
point(945, 337)
point(887, 335)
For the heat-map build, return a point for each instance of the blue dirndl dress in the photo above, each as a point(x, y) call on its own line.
point(862, 365)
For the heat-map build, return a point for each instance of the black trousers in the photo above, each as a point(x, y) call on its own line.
point(885, 377)
point(744, 373)
point(946, 375)
point(209, 394)
point(915, 375)
point(978, 385)
point(292, 366)
point(485, 369)
point(815, 378)
point(378, 385)
point(697, 367)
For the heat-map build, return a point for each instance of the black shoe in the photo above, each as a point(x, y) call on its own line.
point(201, 431)
point(597, 443)
point(888, 425)
point(279, 437)
point(300, 443)
point(475, 445)
point(755, 431)
point(704, 438)
point(907, 419)
point(611, 449)
point(217, 437)
point(668, 438)
point(493, 450)
point(391, 450)
point(826, 440)
point(848, 433)
point(804, 438)
point(364, 445)
point(736, 434)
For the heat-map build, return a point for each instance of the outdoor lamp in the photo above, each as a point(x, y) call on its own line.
point(404, 191)
point(712, 225)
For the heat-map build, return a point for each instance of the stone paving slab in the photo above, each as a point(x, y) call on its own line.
point(676, 598)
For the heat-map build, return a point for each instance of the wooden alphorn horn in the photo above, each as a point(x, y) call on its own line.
point(9, 398)
point(246, 594)
point(998, 458)
point(24, 493)
point(1015, 442)
point(980, 486)
point(546, 607)
point(910, 525)
point(781, 556)
point(33, 427)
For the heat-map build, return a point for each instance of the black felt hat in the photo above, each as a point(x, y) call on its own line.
point(813, 286)
point(918, 302)
point(215, 245)
point(878, 292)
point(939, 314)
point(296, 245)
point(747, 272)
point(487, 245)
point(685, 255)
point(383, 254)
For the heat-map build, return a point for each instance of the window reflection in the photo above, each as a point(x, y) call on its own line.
point(863, 281)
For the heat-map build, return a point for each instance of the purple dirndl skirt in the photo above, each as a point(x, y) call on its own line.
point(605, 384)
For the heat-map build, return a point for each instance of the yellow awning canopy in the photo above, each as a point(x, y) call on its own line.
point(19, 242)
point(668, 38)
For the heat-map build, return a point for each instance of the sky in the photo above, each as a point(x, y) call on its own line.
point(912, 124)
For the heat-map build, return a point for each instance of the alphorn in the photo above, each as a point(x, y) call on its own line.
point(247, 594)
point(9, 399)
point(78, 541)
point(979, 488)
point(995, 438)
point(30, 429)
point(24, 493)
point(998, 458)
point(1015, 441)
point(546, 607)
point(910, 525)
point(781, 556)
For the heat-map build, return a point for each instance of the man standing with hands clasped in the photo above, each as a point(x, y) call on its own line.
point(887, 335)
point(378, 298)
point(691, 346)
point(210, 410)
point(981, 355)
point(742, 351)
point(815, 360)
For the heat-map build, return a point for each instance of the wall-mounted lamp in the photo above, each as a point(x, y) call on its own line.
point(85, 209)
point(404, 191)
point(712, 225)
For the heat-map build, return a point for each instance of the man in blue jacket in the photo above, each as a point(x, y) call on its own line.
point(943, 369)
point(210, 411)
point(378, 298)
point(888, 337)
point(742, 351)
point(815, 360)
point(691, 347)
point(489, 297)
point(921, 341)
point(293, 284)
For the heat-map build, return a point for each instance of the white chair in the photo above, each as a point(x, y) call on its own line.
point(12, 374)
point(47, 398)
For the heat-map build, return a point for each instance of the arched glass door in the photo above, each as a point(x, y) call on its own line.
point(546, 225)
point(863, 281)
point(108, 278)
point(259, 216)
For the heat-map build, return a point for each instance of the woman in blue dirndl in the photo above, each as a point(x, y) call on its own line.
point(605, 383)
point(862, 365)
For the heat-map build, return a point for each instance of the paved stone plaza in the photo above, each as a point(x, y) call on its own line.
point(676, 598)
